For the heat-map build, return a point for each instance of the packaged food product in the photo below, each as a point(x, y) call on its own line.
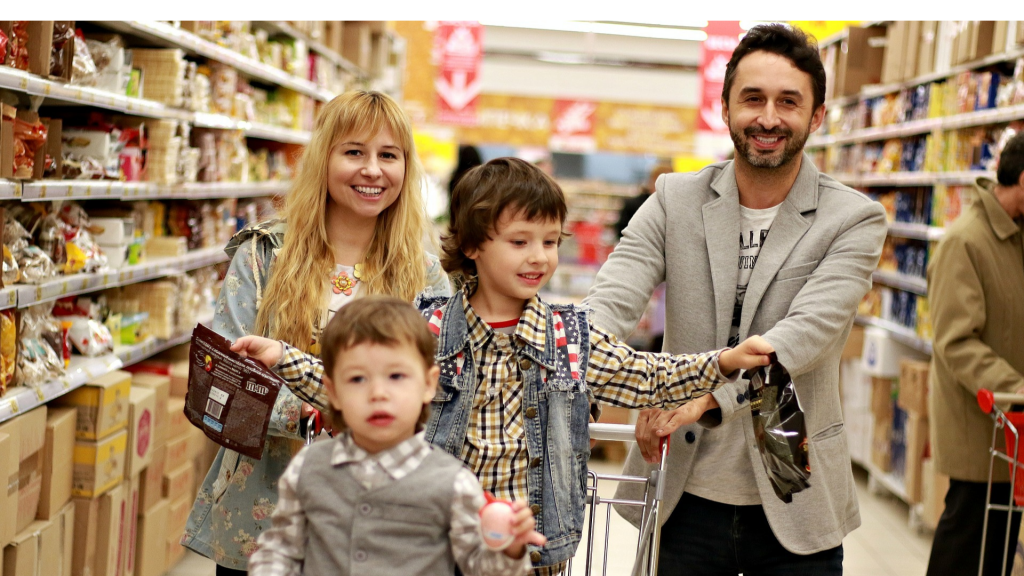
point(90, 337)
point(38, 342)
point(63, 31)
point(83, 69)
point(35, 265)
point(29, 137)
point(8, 348)
point(230, 398)
point(779, 429)
point(17, 46)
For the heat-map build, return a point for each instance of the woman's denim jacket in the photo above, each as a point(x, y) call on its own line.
point(557, 437)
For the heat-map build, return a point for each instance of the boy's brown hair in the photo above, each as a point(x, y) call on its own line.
point(483, 194)
point(376, 319)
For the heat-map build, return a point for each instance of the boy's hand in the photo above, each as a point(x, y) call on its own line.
point(653, 425)
point(263, 349)
point(522, 529)
point(750, 354)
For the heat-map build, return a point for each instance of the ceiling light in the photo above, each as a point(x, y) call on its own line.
point(606, 28)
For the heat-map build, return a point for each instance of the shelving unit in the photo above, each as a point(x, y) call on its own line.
point(82, 369)
point(108, 189)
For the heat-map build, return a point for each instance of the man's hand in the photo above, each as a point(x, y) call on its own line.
point(653, 425)
point(263, 349)
point(750, 353)
point(522, 528)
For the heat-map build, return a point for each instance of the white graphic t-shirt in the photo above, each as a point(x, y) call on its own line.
point(722, 471)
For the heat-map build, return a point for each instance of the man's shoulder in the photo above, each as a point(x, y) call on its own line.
point(831, 189)
point(681, 182)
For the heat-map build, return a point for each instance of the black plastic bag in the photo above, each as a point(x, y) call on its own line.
point(779, 429)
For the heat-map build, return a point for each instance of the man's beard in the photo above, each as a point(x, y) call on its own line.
point(776, 159)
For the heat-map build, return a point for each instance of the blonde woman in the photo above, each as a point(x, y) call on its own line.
point(352, 225)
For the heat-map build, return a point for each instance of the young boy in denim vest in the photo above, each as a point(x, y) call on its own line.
point(378, 498)
point(517, 373)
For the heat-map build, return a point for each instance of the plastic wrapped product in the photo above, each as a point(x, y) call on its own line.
point(8, 348)
point(83, 69)
point(17, 46)
point(779, 429)
point(34, 264)
point(63, 31)
point(90, 337)
point(11, 273)
point(38, 360)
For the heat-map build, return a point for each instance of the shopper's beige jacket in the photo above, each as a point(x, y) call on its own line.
point(976, 296)
point(802, 296)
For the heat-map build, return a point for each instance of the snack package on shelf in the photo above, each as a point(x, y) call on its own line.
point(29, 138)
point(34, 265)
point(83, 71)
point(111, 61)
point(163, 74)
point(17, 45)
point(8, 348)
point(223, 83)
point(63, 35)
point(40, 347)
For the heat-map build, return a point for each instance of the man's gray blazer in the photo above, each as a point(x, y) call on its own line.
point(812, 271)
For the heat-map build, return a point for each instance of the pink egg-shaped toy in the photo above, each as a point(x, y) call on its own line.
point(496, 523)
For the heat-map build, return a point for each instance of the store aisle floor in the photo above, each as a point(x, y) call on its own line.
point(884, 545)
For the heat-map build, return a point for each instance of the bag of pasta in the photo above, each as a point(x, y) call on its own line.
point(779, 429)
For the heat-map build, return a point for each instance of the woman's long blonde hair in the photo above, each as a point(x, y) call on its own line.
point(394, 262)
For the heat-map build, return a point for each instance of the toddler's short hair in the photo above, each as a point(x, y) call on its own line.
point(375, 319)
point(483, 194)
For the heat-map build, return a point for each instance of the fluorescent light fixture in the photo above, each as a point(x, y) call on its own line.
point(699, 24)
point(605, 28)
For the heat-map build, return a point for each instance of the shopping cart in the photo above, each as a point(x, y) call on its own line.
point(1013, 424)
point(647, 543)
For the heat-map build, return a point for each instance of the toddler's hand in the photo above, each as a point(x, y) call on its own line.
point(522, 529)
point(258, 348)
point(750, 354)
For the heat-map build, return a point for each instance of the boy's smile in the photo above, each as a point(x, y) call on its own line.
point(514, 264)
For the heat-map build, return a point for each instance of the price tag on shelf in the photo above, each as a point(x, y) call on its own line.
point(12, 297)
point(65, 383)
point(39, 292)
point(12, 405)
point(39, 393)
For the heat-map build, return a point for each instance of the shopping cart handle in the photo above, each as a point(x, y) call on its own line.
point(618, 433)
point(987, 399)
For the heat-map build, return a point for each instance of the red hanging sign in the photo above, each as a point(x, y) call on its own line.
point(715, 52)
point(572, 126)
point(459, 47)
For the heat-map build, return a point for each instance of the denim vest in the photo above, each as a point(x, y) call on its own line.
point(557, 437)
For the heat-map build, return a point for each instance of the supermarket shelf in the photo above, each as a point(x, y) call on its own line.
point(252, 129)
point(170, 36)
point(899, 333)
point(82, 369)
point(916, 231)
point(913, 178)
point(109, 189)
point(8, 297)
point(901, 281)
point(9, 189)
point(967, 119)
point(29, 295)
point(280, 27)
point(876, 90)
point(885, 480)
point(132, 354)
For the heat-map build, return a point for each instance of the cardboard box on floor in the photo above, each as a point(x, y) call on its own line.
point(130, 537)
point(179, 482)
point(151, 543)
point(99, 527)
point(21, 555)
point(99, 465)
point(161, 386)
point(30, 430)
point(913, 395)
point(178, 424)
point(67, 526)
point(142, 406)
point(179, 378)
point(102, 405)
point(8, 486)
point(151, 480)
point(177, 453)
point(916, 443)
point(58, 461)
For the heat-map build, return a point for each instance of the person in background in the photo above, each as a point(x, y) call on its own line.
point(976, 299)
point(416, 507)
point(469, 157)
point(763, 244)
point(631, 205)
point(352, 225)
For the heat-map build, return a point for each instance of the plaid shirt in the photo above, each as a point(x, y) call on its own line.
point(495, 447)
point(282, 547)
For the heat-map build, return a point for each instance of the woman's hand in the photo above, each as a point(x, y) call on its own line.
point(258, 348)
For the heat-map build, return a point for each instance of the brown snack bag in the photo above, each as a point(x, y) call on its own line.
point(229, 398)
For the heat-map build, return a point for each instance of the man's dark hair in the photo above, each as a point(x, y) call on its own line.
point(1011, 161)
point(484, 194)
point(784, 40)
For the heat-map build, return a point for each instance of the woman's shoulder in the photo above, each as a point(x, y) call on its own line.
point(270, 232)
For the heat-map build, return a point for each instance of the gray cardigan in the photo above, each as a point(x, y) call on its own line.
point(802, 296)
